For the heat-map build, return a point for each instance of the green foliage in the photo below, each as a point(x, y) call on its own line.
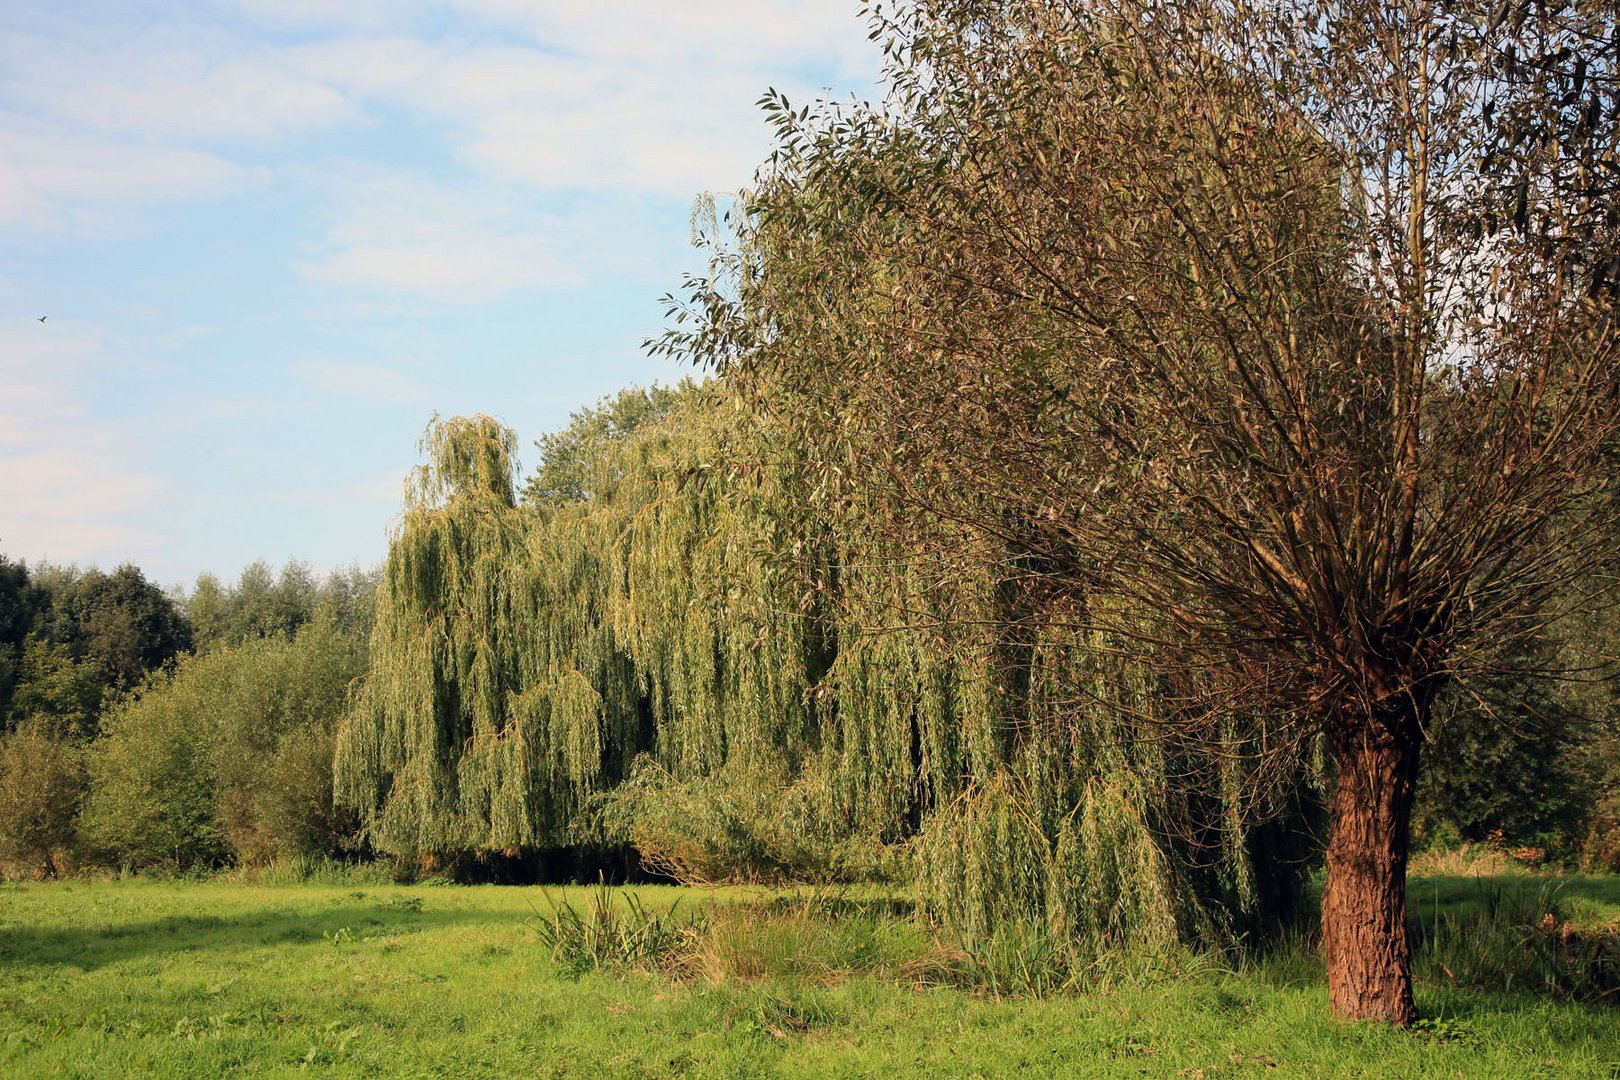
point(228, 755)
point(122, 624)
point(263, 603)
point(571, 459)
point(277, 705)
point(1508, 774)
point(437, 753)
point(154, 786)
point(21, 602)
point(523, 657)
point(1532, 764)
point(70, 640)
point(52, 685)
point(41, 784)
point(738, 825)
point(1093, 881)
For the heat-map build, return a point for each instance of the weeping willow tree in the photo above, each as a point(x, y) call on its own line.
point(440, 721)
point(672, 640)
point(525, 655)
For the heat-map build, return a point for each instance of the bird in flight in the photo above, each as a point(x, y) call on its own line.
point(42, 318)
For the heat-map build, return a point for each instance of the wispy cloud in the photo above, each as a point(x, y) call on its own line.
point(37, 366)
point(368, 382)
point(50, 177)
point(386, 489)
point(68, 490)
point(632, 97)
point(621, 96)
point(167, 83)
point(461, 244)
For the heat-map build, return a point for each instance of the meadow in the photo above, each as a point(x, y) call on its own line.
point(224, 978)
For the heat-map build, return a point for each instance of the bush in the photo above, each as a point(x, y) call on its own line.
point(229, 756)
point(153, 785)
point(275, 724)
point(41, 786)
point(289, 811)
point(1511, 775)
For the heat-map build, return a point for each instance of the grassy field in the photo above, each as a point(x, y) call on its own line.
point(138, 978)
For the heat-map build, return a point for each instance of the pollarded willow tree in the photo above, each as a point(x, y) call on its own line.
point(1274, 341)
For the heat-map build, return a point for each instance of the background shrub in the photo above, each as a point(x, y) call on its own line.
point(41, 786)
point(229, 756)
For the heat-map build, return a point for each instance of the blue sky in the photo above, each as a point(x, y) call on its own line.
point(273, 237)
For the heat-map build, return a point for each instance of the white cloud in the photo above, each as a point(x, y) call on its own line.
point(622, 96)
point(723, 33)
point(370, 382)
point(166, 84)
point(45, 169)
point(405, 234)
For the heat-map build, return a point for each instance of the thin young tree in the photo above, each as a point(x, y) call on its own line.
point(1276, 339)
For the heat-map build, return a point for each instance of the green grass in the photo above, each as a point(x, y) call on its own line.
point(136, 978)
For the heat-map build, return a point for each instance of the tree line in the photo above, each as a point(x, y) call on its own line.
point(143, 728)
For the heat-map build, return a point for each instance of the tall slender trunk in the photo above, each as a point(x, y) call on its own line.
point(1369, 960)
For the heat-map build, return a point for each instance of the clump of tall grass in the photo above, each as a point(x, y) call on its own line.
point(1492, 858)
point(608, 933)
point(817, 939)
point(1024, 959)
point(820, 938)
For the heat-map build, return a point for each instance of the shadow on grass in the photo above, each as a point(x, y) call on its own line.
point(1456, 893)
point(90, 947)
point(1489, 1009)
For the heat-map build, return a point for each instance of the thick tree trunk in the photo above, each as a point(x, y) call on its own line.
point(1369, 960)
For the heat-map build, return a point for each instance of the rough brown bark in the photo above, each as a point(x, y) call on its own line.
point(1369, 959)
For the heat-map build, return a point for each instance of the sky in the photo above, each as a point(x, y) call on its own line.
point(271, 238)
